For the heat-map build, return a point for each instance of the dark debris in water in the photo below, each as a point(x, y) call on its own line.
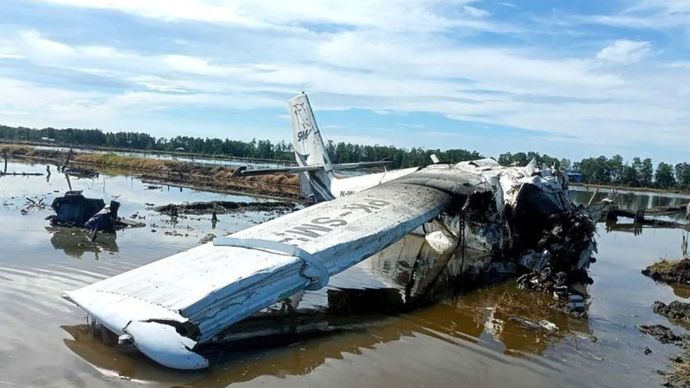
point(223, 207)
point(566, 299)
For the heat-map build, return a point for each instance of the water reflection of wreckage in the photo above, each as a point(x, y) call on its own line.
point(75, 242)
point(401, 278)
point(174, 308)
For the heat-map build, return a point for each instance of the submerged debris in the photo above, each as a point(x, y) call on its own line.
point(32, 204)
point(563, 252)
point(75, 210)
point(223, 207)
point(666, 210)
point(675, 311)
point(566, 300)
point(662, 333)
point(669, 271)
point(639, 218)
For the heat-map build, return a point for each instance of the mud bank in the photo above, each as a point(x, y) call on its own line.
point(674, 311)
point(669, 271)
point(168, 171)
point(662, 334)
point(678, 374)
point(672, 272)
point(223, 207)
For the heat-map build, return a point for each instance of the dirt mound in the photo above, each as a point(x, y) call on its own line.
point(223, 207)
point(679, 374)
point(662, 333)
point(167, 171)
point(675, 311)
point(669, 271)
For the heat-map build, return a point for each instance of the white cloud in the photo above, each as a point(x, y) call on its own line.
point(624, 52)
point(645, 14)
point(395, 56)
point(476, 12)
point(394, 15)
point(208, 11)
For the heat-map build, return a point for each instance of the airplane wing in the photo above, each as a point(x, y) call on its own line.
point(244, 171)
point(170, 306)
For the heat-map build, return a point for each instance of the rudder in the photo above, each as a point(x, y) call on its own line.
point(309, 147)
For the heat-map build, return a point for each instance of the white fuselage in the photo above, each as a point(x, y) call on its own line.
point(347, 186)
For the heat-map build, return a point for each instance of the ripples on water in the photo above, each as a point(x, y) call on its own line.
point(402, 317)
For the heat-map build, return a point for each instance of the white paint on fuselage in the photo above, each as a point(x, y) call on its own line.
point(347, 186)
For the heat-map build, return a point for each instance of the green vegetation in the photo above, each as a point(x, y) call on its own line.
point(614, 171)
point(261, 149)
point(600, 170)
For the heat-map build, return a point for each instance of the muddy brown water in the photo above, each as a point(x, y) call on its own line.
point(400, 318)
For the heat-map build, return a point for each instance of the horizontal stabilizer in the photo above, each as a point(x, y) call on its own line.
point(243, 171)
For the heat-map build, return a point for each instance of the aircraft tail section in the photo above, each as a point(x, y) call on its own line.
point(309, 147)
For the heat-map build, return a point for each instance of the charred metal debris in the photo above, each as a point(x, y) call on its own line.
point(75, 210)
point(525, 218)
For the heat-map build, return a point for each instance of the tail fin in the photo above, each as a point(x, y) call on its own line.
point(309, 147)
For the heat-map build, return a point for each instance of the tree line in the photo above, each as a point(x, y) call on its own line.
point(599, 170)
point(613, 171)
point(257, 149)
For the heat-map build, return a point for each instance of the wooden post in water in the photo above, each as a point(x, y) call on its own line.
point(5, 170)
point(69, 155)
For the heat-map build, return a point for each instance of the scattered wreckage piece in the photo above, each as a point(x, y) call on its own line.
point(31, 204)
point(75, 210)
point(639, 218)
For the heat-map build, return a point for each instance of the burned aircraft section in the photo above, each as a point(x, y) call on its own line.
point(516, 213)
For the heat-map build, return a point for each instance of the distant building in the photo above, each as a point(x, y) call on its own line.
point(48, 139)
point(180, 149)
point(574, 176)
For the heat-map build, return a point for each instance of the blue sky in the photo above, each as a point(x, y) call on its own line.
point(569, 78)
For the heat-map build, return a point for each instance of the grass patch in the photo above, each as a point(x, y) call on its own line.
point(663, 265)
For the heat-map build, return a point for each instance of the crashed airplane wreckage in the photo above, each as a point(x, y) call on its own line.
point(171, 308)
point(75, 210)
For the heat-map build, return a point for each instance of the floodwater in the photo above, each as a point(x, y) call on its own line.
point(401, 318)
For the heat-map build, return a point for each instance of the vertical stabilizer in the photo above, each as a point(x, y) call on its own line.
point(309, 147)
